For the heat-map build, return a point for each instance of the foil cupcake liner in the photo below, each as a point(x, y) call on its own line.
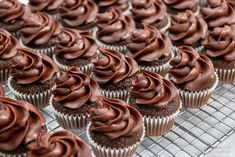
point(12, 155)
point(4, 75)
point(226, 75)
point(85, 68)
point(117, 94)
point(16, 35)
point(39, 100)
point(102, 151)
point(197, 99)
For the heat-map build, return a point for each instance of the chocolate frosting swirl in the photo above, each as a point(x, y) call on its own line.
point(8, 45)
point(114, 118)
point(73, 44)
point(58, 144)
point(191, 71)
point(148, 11)
point(220, 43)
point(2, 93)
point(187, 28)
point(151, 89)
point(114, 26)
point(183, 4)
point(75, 88)
point(20, 124)
point(30, 66)
point(232, 2)
point(44, 5)
point(77, 13)
point(113, 67)
point(218, 13)
point(121, 4)
point(149, 44)
point(39, 29)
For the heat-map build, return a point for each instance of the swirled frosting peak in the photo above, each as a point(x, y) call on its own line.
point(30, 66)
point(148, 44)
point(44, 5)
point(20, 124)
point(78, 13)
point(191, 71)
point(114, 118)
point(148, 11)
point(74, 89)
point(73, 44)
point(183, 4)
point(187, 28)
point(220, 43)
point(8, 45)
point(113, 67)
point(218, 13)
point(58, 144)
point(114, 26)
point(39, 29)
point(151, 89)
point(121, 4)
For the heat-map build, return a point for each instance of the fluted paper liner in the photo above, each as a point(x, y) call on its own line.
point(117, 94)
point(102, 151)
point(85, 68)
point(70, 122)
point(39, 100)
point(226, 75)
point(12, 155)
point(4, 75)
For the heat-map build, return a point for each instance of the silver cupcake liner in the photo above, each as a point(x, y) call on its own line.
point(16, 35)
point(226, 75)
point(39, 100)
point(12, 155)
point(4, 75)
point(117, 94)
point(102, 151)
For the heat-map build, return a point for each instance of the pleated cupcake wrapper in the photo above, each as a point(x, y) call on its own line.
point(118, 94)
point(226, 75)
point(161, 125)
point(4, 75)
point(12, 155)
point(47, 51)
point(197, 99)
point(128, 11)
point(39, 100)
point(85, 68)
point(165, 28)
point(16, 34)
point(102, 151)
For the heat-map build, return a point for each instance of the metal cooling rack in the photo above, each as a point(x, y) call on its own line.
point(196, 132)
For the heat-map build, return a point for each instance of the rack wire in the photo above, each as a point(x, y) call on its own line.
point(196, 131)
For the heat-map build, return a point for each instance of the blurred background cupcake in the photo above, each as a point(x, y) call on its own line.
point(105, 5)
point(75, 48)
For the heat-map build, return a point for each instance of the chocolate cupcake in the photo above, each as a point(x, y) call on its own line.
point(8, 46)
point(116, 128)
point(78, 14)
point(113, 71)
point(20, 125)
point(12, 16)
point(232, 2)
point(58, 144)
point(73, 98)
point(157, 100)
point(32, 77)
point(152, 12)
point(219, 46)
point(175, 6)
point(194, 76)
point(105, 5)
point(2, 92)
point(151, 49)
point(50, 7)
point(218, 13)
point(39, 33)
point(187, 29)
point(113, 29)
point(75, 48)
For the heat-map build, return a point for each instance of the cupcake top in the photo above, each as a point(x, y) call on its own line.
point(20, 124)
point(75, 88)
point(152, 90)
point(114, 119)
point(2, 93)
point(191, 71)
point(39, 30)
point(121, 4)
point(113, 26)
point(148, 44)
point(148, 11)
point(30, 67)
point(187, 28)
point(113, 67)
point(72, 44)
point(220, 43)
point(232, 2)
point(182, 5)
point(218, 13)
point(44, 5)
point(78, 13)
point(61, 143)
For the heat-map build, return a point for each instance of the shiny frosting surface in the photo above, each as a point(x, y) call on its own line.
point(183, 4)
point(121, 4)
point(2, 93)
point(44, 5)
